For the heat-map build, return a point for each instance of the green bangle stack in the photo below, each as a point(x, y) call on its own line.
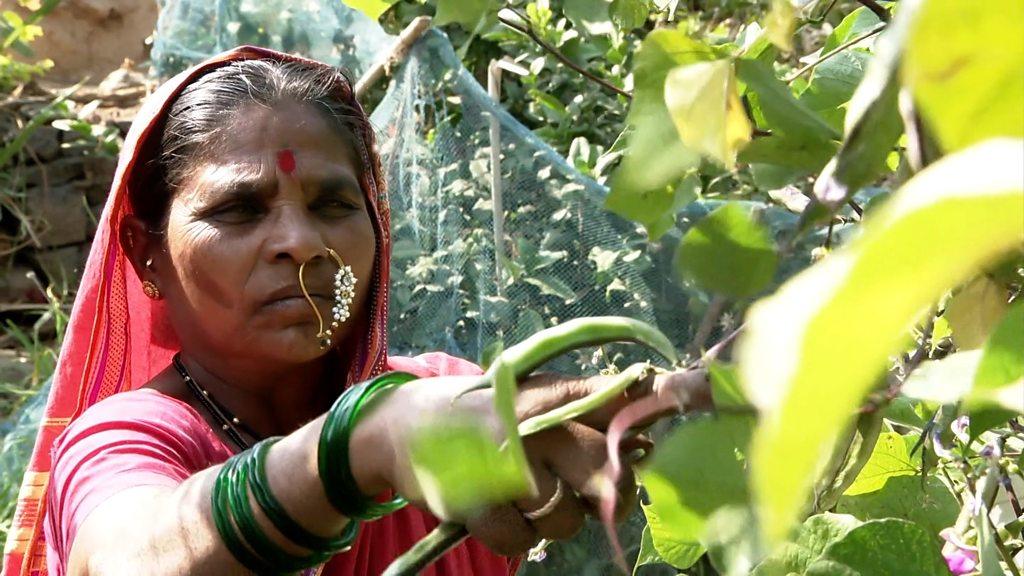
point(248, 543)
point(332, 457)
point(247, 471)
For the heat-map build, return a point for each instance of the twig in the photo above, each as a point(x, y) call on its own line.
point(707, 324)
point(406, 39)
point(875, 7)
point(528, 31)
point(878, 28)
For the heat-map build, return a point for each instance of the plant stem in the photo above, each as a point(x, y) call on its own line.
point(707, 324)
point(446, 536)
point(878, 28)
point(528, 31)
point(875, 7)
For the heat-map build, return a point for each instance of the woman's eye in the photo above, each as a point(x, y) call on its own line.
point(333, 205)
point(237, 213)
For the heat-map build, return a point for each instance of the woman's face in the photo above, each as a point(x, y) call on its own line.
point(282, 188)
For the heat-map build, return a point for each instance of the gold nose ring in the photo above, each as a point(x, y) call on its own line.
point(344, 292)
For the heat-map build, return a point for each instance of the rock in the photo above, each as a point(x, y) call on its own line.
point(62, 266)
point(44, 143)
point(15, 366)
point(99, 173)
point(60, 214)
point(17, 287)
point(54, 173)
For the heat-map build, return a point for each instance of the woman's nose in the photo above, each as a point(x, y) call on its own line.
point(294, 235)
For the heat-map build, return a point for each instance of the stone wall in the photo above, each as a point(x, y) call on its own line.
point(54, 189)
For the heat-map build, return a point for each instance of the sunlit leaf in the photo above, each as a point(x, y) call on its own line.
point(728, 252)
point(629, 14)
point(974, 312)
point(889, 546)
point(780, 24)
point(782, 111)
point(372, 8)
point(966, 87)
point(695, 471)
point(1000, 372)
point(470, 14)
point(854, 308)
point(889, 458)
point(853, 25)
point(647, 554)
point(589, 15)
point(706, 109)
point(927, 502)
point(815, 535)
point(656, 158)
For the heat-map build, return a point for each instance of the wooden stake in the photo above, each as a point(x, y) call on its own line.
point(398, 52)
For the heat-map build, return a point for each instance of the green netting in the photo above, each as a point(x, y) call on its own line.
point(566, 256)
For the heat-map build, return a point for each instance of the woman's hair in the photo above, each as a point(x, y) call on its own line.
point(200, 116)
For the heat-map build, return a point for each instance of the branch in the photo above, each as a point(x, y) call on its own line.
point(875, 7)
point(406, 39)
point(707, 324)
point(878, 28)
point(528, 31)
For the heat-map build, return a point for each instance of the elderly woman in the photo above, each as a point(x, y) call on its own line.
point(238, 286)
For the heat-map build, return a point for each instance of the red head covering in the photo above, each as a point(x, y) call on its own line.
point(118, 339)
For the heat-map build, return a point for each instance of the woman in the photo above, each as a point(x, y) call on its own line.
point(249, 189)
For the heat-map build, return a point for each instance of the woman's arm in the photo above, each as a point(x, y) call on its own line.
point(159, 530)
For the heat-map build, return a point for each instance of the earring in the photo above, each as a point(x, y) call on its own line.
point(344, 291)
point(150, 290)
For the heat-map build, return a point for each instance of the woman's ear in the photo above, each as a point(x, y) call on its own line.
point(140, 245)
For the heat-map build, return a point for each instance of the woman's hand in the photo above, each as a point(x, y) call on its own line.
point(569, 455)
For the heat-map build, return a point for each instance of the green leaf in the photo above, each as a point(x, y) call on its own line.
point(470, 14)
point(647, 555)
point(974, 312)
point(589, 15)
point(641, 186)
point(728, 252)
point(889, 458)
point(552, 286)
point(726, 390)
point(372, 8)
point(926, 502)
point(854, 308)
point(628, 15)
point(816, 534)
point(966, 82)
point(887, 546)
point(676, 543)
point(706, 109)
point(460, 468)
point(1000, 371)
point(696, 470)
point(854, 24)
point(780, 150)
point(781, 110)
point(780, 24)
point(833, 83)
point(988, 552)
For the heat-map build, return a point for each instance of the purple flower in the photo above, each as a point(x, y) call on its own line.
point(960, 558)
point(960, 428)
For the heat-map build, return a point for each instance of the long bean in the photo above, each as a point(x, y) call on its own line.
point(518, 362)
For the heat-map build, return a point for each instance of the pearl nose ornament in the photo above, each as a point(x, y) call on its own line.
point(344, 292)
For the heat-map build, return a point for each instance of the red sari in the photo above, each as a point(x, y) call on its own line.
point(117, 340)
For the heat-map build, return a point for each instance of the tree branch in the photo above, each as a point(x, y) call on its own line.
point(878, 28)
point(875, 7)
point(528, 31)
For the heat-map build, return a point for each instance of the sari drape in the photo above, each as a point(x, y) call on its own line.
point(118, 339)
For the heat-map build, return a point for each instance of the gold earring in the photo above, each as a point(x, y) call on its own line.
point(150, 290)
point(344, 292)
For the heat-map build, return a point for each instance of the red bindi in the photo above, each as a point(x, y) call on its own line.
point(286, 161)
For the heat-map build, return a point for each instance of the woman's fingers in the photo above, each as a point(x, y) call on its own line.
point(504, 530)
point(556, 513)
point(577, 454)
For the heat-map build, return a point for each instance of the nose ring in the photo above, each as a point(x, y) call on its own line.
point(344, 292)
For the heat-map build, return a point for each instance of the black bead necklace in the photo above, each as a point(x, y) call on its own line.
point(229, 423)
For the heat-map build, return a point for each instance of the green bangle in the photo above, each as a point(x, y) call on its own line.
point(222, 519)
point(332, 452)
point(271, 506)
point(238, 498)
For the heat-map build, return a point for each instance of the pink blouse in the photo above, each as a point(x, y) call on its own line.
point(145, 438)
